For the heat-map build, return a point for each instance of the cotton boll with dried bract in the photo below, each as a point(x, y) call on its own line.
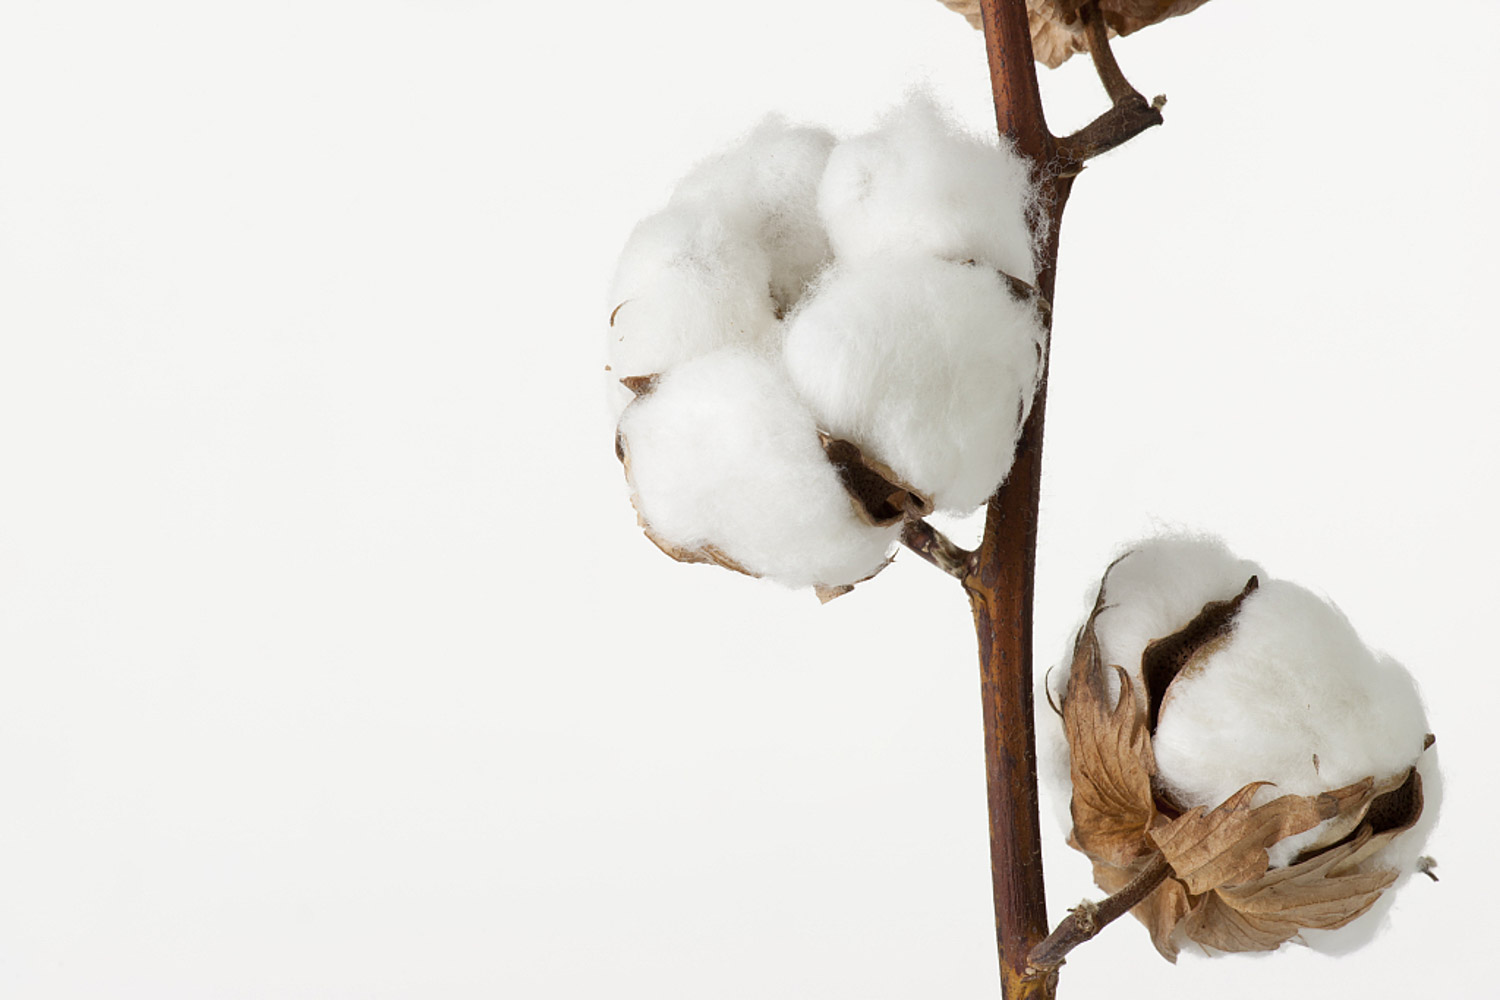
point(917, 183)
point(1291, 697)
point(688, 282)
point(929, 366)
point(726, 464)
point(766, 186)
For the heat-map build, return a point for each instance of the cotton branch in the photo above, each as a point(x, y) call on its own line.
point(1130, 114)
point(1091, 918)
point(937, 548)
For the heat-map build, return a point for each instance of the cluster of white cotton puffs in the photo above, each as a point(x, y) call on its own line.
point(816, 338)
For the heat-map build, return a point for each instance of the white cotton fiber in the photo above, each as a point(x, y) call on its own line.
point(929, 366)
point(1157, 587)
point(919, 184)
point(1295, 698)
point(688, 282)
point(766, 188)
point(722, 453)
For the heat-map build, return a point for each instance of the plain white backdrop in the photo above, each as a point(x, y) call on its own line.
point(332, 663)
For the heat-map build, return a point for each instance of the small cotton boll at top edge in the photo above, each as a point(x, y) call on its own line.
point(687, 283)
point(1293, 697)
point(723, 454)
point(928, 366)
point(766, 187)
point(917, 183)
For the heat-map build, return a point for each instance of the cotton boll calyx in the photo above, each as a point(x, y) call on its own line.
point(727, 467)
point(929, 366)
point(766, 187)
point(688, 282)
point(917, 184)
point(1255, 745)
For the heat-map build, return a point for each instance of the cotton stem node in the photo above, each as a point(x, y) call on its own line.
point(1088, 919)
point(937, 548)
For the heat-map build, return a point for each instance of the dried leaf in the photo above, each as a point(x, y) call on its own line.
point(1228, 845)
point(640, 385)
point(1111, 759)
point(1320, 893)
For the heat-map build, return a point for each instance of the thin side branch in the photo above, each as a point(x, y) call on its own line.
point(1130, 115)
point(1127, 119)
point(937, 548)
point(1091, 918)
point(1115, 85)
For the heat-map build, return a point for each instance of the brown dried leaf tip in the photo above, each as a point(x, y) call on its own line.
point(1057, 30)
point(1220, 891)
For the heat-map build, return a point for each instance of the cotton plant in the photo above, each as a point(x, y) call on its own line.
point(819, 341)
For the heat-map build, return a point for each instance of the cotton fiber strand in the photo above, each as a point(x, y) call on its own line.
point(723, 454)
point(766, 188)
point(1294, 697)
point(688, 282)
point(919, 184)
point(929, 366)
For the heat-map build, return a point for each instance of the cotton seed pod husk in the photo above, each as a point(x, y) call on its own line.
point(1222, 892)
point(726, 467)
point(1057, 32)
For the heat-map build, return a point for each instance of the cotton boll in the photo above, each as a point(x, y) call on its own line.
point(1294, 698)
point(929, 366)
point(766, 187)
point(919, 184)
point(688, 282)
point(724, 456)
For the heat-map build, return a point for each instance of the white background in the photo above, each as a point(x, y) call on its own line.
point(332, 663)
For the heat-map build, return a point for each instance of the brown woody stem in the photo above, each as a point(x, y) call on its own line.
point(936, 547)
point(1091, 918)
point(1001, 584)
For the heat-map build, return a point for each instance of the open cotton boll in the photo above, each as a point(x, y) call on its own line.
point(688, 282)
point(766, 188)
point(1292, 697)
point(919, 184)
point(1256, 747)
point(928, 366)
point(723, 456)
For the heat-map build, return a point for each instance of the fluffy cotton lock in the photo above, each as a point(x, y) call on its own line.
point(689, 281)
point(928, 365)
point(766, 187)
point(1236, 726)
point(917, 183)
point(726, 463)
